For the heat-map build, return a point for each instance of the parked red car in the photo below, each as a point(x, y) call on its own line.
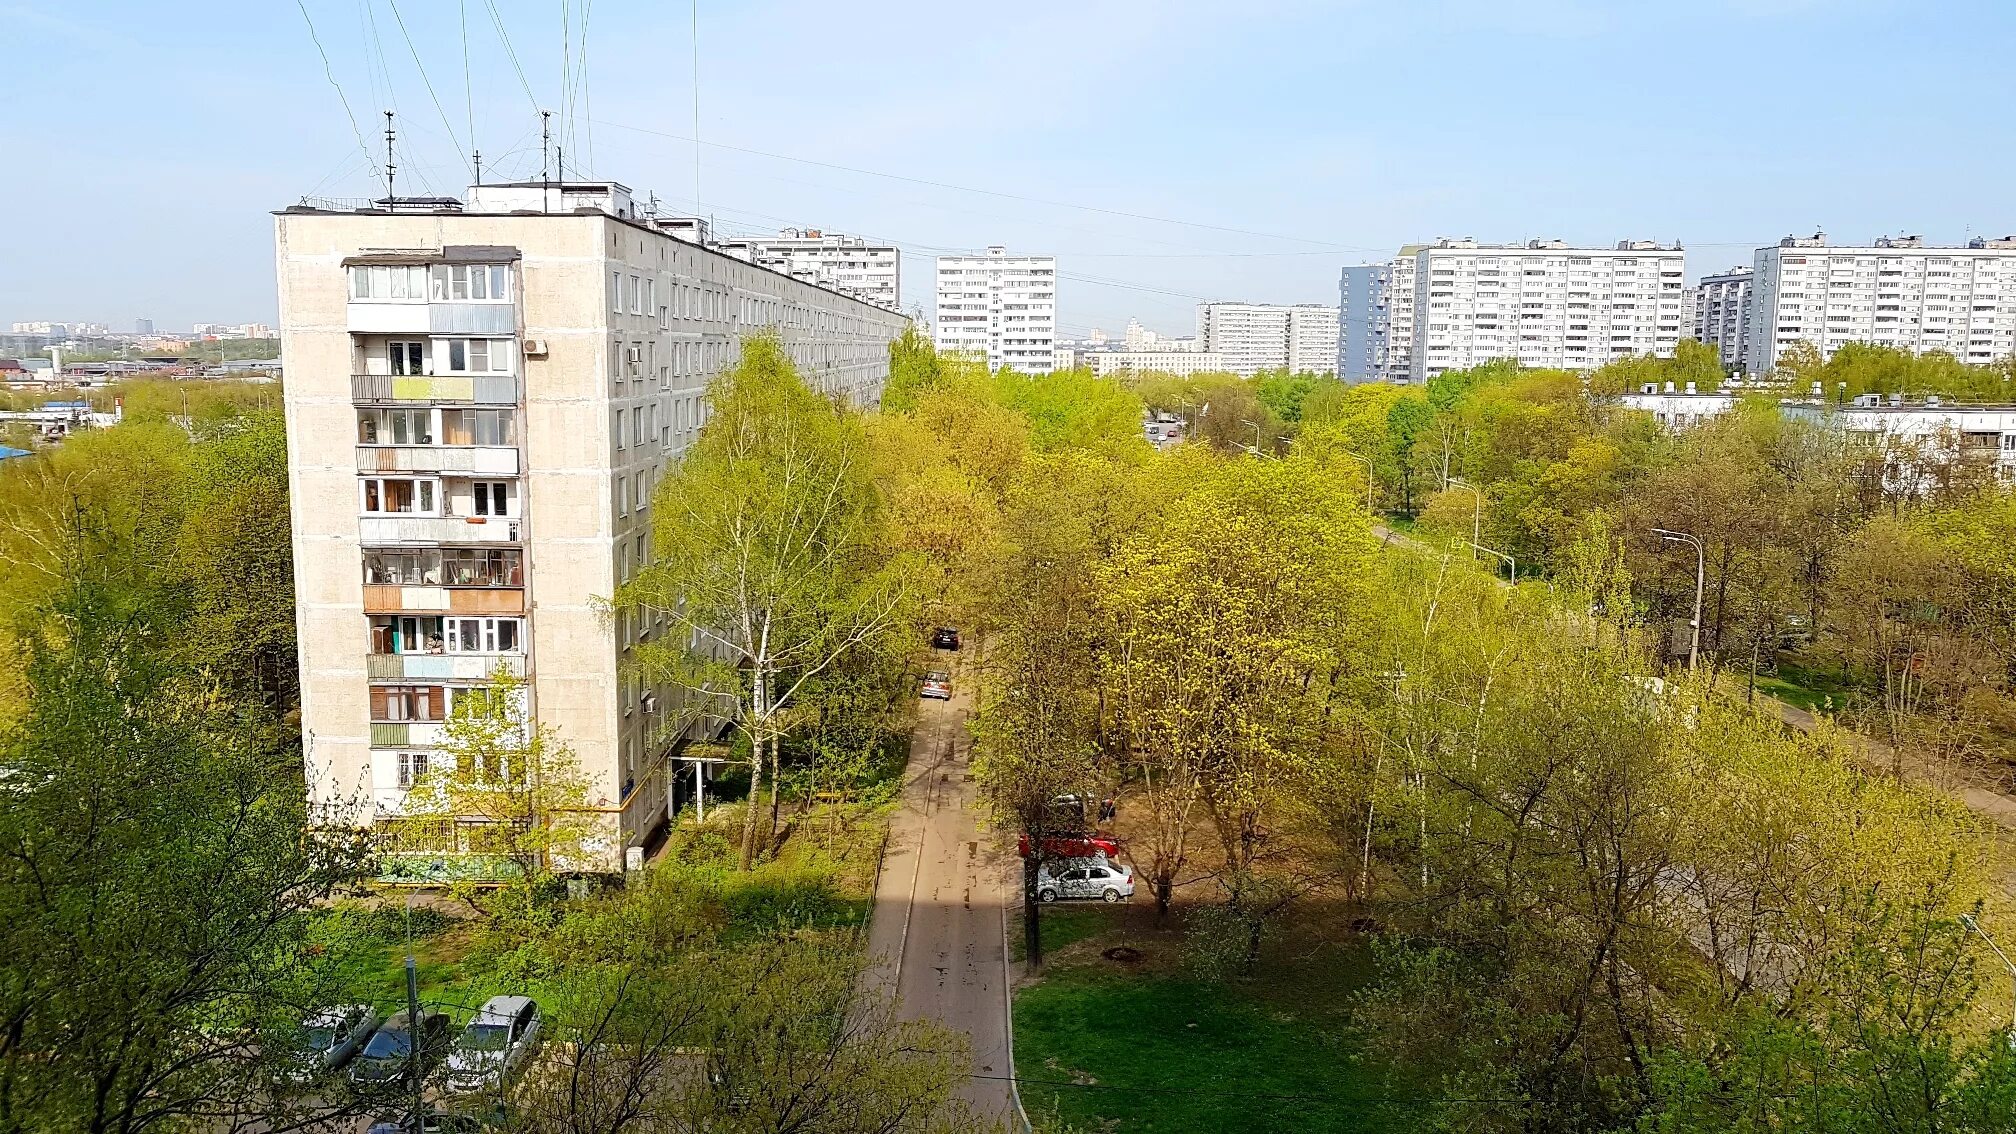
point(1072, 846)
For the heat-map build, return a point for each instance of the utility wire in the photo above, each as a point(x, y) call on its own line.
point(504, 36)
point(429, 84)
point(695, 139)
point(697, 207)
point(468, 85)
point(330, 73)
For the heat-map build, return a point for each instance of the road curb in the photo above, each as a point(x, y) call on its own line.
point(1008, 1007)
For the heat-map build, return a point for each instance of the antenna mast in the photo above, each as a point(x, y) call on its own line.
point(545, 146)
point(389, 167)
point(478, 155)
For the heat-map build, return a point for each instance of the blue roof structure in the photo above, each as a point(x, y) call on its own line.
point(7, 451)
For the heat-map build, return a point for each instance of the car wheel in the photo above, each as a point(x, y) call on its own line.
point(1046, 896)
point(1110, 896)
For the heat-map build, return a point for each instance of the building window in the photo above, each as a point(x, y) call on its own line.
point(493, 497)
point(395, 427)
point(480, 427)
point(458, 282)
point(406, 358)
point(395, 703)
point(412, 766)
point(482, 567)
point(399, 496)
point(477, 356)
point(389, 282)
point(636, 296)
point(482, 635)
point(616, 292)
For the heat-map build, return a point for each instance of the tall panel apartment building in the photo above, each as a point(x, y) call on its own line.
point(1543, 304)
point(999, 307)
point(1899, 292)
point(845, 263)
point(480, 398)
point(1362, 297)
point(1722, 314)
point(1252, 337)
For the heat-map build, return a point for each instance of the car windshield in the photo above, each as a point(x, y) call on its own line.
point(486, 1037)
point(387, 1045)
point(935, 675)
point(318, 1038)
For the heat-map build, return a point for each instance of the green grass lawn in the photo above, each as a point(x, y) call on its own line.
point(1062, 925)
point(1157, 1052)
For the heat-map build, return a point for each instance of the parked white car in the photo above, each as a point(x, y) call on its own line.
point(1084, 878)
point(495, 1046)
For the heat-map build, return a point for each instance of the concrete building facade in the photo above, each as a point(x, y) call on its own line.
point(1898, 292)
point(480, 398)
point(1178, 362)
point(1362, 291)
point(1543, 304)
point(1252, 337)
point(1722, 314)
point(848, 264)
point(999, 307)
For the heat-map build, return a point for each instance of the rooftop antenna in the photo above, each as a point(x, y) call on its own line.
point(478, 155)
point(545, 143)
point(389, 167)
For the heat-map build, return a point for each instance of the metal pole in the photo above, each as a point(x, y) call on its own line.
point(414, 1033)
point(1367, 462)
point(699, 795)
point(1700, 586)
point(1476, 512)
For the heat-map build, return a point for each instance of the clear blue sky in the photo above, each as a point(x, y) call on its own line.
point(148, 142)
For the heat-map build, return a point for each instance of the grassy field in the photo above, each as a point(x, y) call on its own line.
point(1146, 1048)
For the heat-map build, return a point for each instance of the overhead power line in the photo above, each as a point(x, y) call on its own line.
point(429, 84)
point(695, 139)
point(504, 37)
point(330, 73)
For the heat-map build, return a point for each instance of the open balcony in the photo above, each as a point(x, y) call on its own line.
point(379, 531)
point(442, 667)
point(435, 389)
point(478, 460)
point(443, 600)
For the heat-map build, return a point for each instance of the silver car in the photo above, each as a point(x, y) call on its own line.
point(496, 1045)
point(328, 1039)
point(1084, 878)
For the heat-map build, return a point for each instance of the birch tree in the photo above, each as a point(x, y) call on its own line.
point(765, 557)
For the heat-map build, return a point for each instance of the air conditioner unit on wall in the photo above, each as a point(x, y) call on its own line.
point(535, 348)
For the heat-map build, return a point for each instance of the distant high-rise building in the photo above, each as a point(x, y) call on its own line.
point(143, 326)
point(1252, 337)
point(1898, 292)
point(834, 259)
point(1722, 314)
point(999, 307)
point(1362, 298)
point(1543, 304)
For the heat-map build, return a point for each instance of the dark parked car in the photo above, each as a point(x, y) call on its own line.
point(384, 1059)
point(945, 638)
point(328, 1040)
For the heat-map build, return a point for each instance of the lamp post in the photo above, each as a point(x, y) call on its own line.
point(1367, 462)
point(1256, 434)
point(1511, 563)
point(1968, 919)
point(1700, 582)
point(1476, 511)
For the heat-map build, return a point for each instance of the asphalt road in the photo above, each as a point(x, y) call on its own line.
point(936, 933)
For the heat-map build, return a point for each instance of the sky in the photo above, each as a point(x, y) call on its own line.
point(1166, 152)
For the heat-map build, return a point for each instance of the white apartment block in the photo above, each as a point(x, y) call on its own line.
point(999, 307)
point(834, 259)
point(1918, 435)
point(480, 398)
point(1394, 339)
point(1543, 304)
point(1182, 363)
point(1899, 292)
point(1140, 338)
point(1251, 337)
point(1722, 314)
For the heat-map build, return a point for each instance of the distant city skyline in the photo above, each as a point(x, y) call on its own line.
point(1487, 125)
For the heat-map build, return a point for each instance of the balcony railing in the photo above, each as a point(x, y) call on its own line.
point(648, 804)
point(482, 460)
point(443, 600)
point(479, 389)
point(405, 734)
point(442, 667)
point(382, 531)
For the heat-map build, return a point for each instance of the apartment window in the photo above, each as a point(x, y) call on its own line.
point(616, 427)
point(406, 634)
point(622, 496)
point(394, 282)
point(406, 358)
point(412, 766)
point(408, 703)
point(395, 427)
point(636, 425)
point(398, 496)
point(616, 292)
point(493, 497)
point(483, 567)
point(480, 427)
point(488, 282)
point(636, 296)
point(482, 635)
point(478, 356)
point(389, 567)
point(651, 295)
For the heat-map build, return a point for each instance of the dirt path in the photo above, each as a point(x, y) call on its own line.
point(937, 930)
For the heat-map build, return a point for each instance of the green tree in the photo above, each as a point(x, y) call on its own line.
point(765, 557)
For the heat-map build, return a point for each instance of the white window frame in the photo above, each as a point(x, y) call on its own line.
point(377, 283)
point(426, 488)
point(412, 766)
point(487, 631)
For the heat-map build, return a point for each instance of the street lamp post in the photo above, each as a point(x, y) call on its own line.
point(1511, 563)
point(2006, 963)
point(1367, 462)
point(1476, 511)
point(1700, 583)
point(1256, 434)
